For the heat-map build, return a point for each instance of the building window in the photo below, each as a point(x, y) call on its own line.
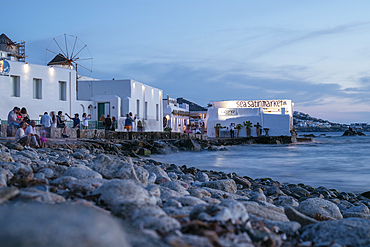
point(138, 108)
point(63, 90)
point(146, 111)
point(37, 88)
point(15, 86)
point(157, 112)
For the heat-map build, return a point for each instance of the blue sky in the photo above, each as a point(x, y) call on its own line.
point(313, 52)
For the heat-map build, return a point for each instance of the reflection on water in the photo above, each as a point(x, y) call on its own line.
point(331, 161)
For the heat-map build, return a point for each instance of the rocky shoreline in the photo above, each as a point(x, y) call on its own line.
point(92, 193)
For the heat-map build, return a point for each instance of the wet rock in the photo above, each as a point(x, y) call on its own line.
point(345, 232)
point(117, 191)
point(294, 215)
point(58, 225)
point(317, 206)
point(242, 181)
point(81, 173)
point(6, 157)
point(202, 177)
point(227, 185)
point(193, 145)
point(301, 192)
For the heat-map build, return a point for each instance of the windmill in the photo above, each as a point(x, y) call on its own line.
point(68, 51)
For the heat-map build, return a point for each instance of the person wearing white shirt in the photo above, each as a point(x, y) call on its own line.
point(21, 137)
point(85, 121)
point(46, 120)
point(31, 131)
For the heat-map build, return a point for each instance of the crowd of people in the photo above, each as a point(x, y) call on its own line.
point(26, 132)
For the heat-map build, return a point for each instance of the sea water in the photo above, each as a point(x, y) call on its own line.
point(330, 160)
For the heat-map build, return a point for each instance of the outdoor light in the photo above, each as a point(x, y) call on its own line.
point(26, 67)
point(168, 117)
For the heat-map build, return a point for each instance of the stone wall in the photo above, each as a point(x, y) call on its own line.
point(98, 133)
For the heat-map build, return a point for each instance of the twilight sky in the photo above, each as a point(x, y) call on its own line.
point(313, 52)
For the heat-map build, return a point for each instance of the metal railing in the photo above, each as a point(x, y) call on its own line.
point(69, 124)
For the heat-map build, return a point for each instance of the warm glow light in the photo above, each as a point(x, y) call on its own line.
point(26, 67)
point(143, 87)
point(51, 70)
point(168, 117)
point(133, 85)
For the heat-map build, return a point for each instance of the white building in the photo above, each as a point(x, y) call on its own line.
point(274, 115)
point(42, 88)
point(119, 97)
point(175, 115)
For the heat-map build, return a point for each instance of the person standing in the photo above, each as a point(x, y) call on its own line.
point(46, 122)
point(232, 127)
point(114, 123)
point(107, 123)
point(31, 131)
point(76, 121)
point(53, 119)
point(85, 121)
point(139, 126)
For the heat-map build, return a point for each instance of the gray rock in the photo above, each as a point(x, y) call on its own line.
point(5, 176)
point(199, 193)
point(242, 181)
point(29, 154)
point(22, 159)
point(48, 173)
point(6, 157)
point(167, 193)
point(84, 186)
point(188, 240)
point(189, 201)
point(158, 171)
point(357, 212)
point(58, 225)
point(81, 173)
point(145, 215)
point(176, 186)
point(284, 201)
point(78, 155)
point(172, 203)
point(202, 177)
point(8, 193)
point(256, 196)
point(39, 196)
point(112, 168)
point(62, 180)
point(322, 207)
point(294, 215)
point(172, 176)
point(15, 146)
point(118, 191)
point(264, 212)
point(288, 227)
point(194, 145)
point(348, 232)
point(227, 185)
point(3, 148)
point(152, 177)
point(220, 195)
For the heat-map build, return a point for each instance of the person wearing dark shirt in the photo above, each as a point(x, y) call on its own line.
point(76, 121)
point(107, 123)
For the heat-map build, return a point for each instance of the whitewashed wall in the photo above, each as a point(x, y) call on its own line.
point(50, 90)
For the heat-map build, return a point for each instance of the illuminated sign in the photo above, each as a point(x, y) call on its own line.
point(226, 112)
point(252, 104)
point(4, 67)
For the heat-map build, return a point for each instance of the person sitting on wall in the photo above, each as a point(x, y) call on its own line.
point(107, 123)
point(24, 116)
point(61, 124)
point(12, 117)
point(76, 121)
point(31, 131)
point(139, 126)
point(21, 137)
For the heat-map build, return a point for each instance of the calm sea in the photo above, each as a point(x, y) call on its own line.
point(332, 161)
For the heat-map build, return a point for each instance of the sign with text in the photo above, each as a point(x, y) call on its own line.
point(252, 103)
point(226, 112)
point(4, 67)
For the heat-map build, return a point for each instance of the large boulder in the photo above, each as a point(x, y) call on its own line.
point(58, 225)
point(113, 168)
point(118, 191)
point(227, 185)
point(345, 232)
point(6, 157)
point(264, 211)
point(314, 207)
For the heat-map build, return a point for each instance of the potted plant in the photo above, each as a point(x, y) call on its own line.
point(217, 129)
point(258, 129)
point(169, 129)
point(238, 127)
point(248, 126)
